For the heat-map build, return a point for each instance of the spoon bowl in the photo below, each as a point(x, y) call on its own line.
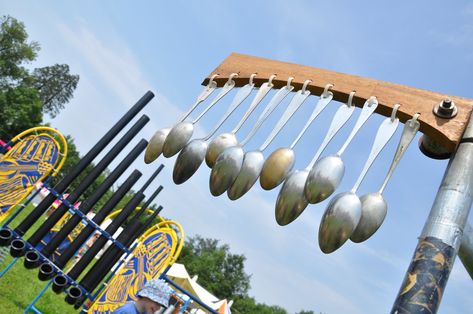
point(189, 160)
point(177, 138)
point(250, 169)
point(324, 178)
point(276, 167)
point(155, 145)
point(291, 201)
point(373, 212)
point(225, 170)
point(339, 221)
point(218, 145)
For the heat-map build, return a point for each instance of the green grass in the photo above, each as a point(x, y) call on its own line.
point(19, 286)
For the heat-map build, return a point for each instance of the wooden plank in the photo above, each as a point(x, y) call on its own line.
point(447, 132)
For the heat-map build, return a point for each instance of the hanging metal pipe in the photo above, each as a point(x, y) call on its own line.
point(26, 224)
point(427, 275)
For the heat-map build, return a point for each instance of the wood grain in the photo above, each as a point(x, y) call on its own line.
point(447, 132)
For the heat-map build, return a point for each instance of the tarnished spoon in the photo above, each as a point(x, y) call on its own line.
point(181, 133)
point(291, 200)
point(344, 210)
point(193, 154)
point(221, 142)
point(235, 160)
point(373, 205)
point(155, 144)
point(280, 162)
point(228, 162)
point(327, 172)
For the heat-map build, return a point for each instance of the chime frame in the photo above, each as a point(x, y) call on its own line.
point(453, 136)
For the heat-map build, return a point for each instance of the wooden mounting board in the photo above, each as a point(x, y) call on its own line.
point(446, 132)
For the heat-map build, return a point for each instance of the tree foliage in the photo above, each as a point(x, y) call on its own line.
point(25, 95)
point(223, 274)
point(220, 271)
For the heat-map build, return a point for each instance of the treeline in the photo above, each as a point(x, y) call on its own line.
point(223, 274)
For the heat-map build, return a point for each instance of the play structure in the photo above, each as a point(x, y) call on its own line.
point(447, 131)
point(444, 121)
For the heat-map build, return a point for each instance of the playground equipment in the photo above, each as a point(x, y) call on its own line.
point(447, 133)
point(34, 155)
point(47, 246)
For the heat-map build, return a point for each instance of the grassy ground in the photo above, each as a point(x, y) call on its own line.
point(19, 286)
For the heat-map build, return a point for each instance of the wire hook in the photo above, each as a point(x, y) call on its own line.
point(251, 78)
point(394, 113)
point(304, 86)
point(289, 81)
point(326, 90)
point(350, 99)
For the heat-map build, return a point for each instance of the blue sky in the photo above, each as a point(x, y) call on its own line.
point(122, 48)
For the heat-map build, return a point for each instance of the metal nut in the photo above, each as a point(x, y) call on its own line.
point(446, 109)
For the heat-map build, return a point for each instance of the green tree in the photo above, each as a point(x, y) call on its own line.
point(25, 95)
point(220, 272)
point(55, 86)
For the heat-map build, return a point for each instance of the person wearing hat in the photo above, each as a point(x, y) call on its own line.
point(151, 298)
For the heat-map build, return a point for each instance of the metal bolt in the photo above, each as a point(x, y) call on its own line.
point(446, 109)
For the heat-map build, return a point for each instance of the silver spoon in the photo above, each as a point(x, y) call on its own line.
point(327, 172)
point(373, 205)
point(155, 144)
point(256, 160)
point(230, 161)
point(280, 162)
point(181, 133)
point(344, 210)
point(193, 154)
point(291, 201)
point(221, 142)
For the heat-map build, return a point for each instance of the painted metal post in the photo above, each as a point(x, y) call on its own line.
point(466, 249)
point(427, 275)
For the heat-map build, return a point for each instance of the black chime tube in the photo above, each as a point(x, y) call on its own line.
point(147, 203)
point(151, 178)
point(100, 242)
point(112, 254)
point(87, 205)
point(94, 173)
point(98, 219)
point(26, 224)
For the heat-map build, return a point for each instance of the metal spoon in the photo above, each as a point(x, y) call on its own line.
point(373, 205)
point(327, 172)
point(155, 144)
point(221, 142)
point(193, 154)
point(229, 162)
point(182, 132)
point(280, 162)
point(344, 210)
point(234, 162)
point(291, 201)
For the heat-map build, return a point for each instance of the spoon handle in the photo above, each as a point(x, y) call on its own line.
point(368, 108)
point(321, 104)
point(339, 119)
point(225, 89)
point(273, 103)
point(262, 91)
point(295, 103)
point(242, 94)
point(408, 133)
point(385, 132)
point(203, 96)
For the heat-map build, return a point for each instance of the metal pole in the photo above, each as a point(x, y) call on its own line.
point(466, 249)
point(427, 275)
